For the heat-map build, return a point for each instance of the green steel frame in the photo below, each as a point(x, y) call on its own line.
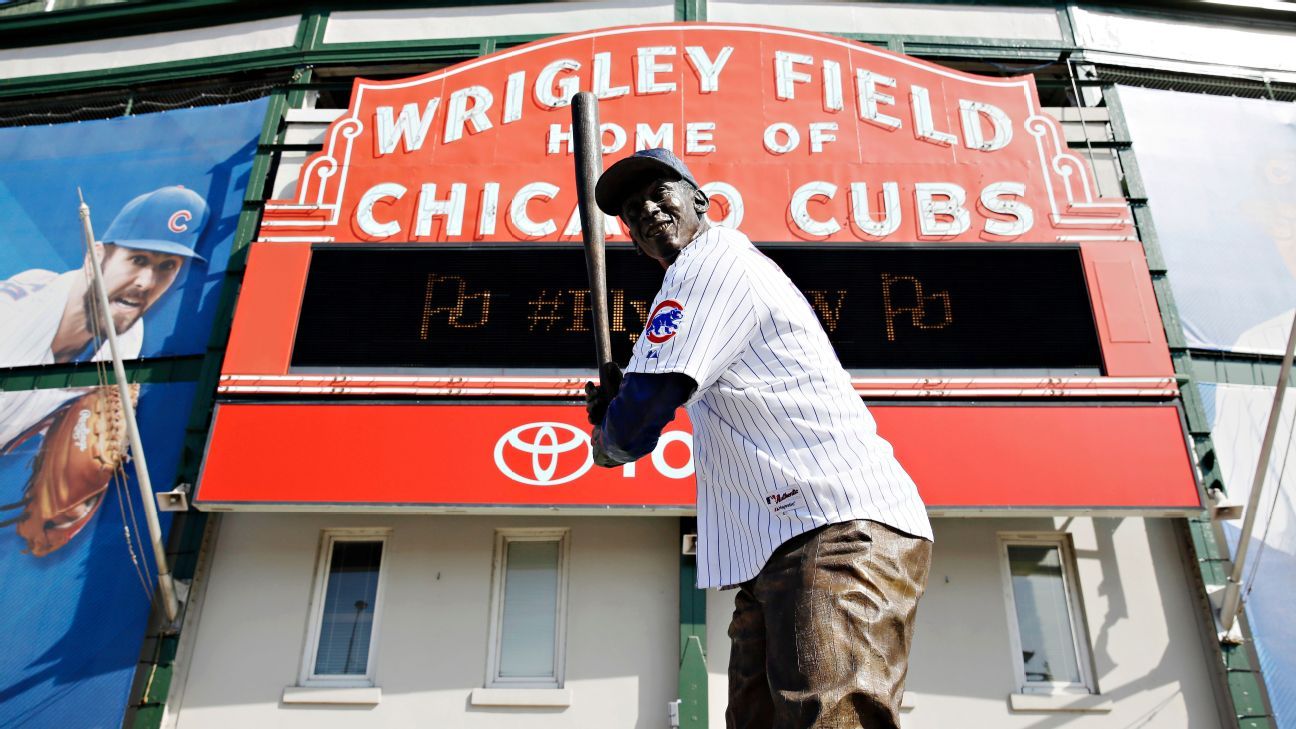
point(1244, 684)
point(692, 617)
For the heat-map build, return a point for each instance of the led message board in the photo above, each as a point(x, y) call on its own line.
point(506, 308)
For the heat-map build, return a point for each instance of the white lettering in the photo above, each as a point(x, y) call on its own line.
point(931, 211)
point(821, 133)
point(518, 210)
point(786, 75)
point(866, 83)
point(994, 198)
point(554, 92)
point(863, 219)
point(659, 454)
point(558, 135)
point(489, 209)
point(646, 138)
point(573, 228)
point(832, 86)
point(791, 138)
point(513, 94)
point(708, 71)
point(452, 208)
point(733, 200)
point(973, 133)
point(410, 127)
point(602, 84)
point(646, 81)
point(924, 127)
point(697, 137)
point(618, 137)
point(364, 209)
point(801, 215)
point(461, 112)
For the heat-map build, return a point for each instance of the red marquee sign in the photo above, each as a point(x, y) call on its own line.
point(455, 457)
point(796, 136)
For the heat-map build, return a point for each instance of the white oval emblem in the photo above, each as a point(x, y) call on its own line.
point(544, 448)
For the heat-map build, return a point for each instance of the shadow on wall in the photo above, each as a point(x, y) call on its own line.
point(200, 292)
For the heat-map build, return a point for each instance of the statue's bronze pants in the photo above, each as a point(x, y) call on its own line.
point(821, 636)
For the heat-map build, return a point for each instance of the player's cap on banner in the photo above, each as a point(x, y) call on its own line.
point(621, 178)
point(167, 220)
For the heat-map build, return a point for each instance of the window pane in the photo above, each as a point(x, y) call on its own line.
point(1043, 620)
point(530, 610)
point(348, 609)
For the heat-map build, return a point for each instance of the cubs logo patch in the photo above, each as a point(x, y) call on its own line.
point(665, 321)
point(176, 224)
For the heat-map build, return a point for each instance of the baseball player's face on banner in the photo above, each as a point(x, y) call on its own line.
point(663, 216)
point(134, 279)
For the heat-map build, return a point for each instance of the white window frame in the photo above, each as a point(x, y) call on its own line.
point(329, 537)
point(1088, 683)
point(499, 569)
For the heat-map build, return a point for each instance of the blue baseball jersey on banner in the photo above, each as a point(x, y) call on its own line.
point(782, 443)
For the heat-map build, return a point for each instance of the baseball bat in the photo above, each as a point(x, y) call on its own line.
point(589, 165)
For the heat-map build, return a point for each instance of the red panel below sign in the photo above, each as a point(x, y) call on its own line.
point(431, 456)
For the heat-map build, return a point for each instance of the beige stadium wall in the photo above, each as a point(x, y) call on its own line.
point(622, 629)
point(622, 624)
point(1151, 669)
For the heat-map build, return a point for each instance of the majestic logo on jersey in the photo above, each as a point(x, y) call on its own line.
point(665, 321)
point(178, 219)
point(779, 502)
point(541, 442)
point(773, 499)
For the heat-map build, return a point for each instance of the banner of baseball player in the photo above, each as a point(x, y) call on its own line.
point(797, 137)
point(165, 191)
point(1225, 218)
point(1238, 415)
point(74, 558)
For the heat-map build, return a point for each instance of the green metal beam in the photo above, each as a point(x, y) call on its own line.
point(310, 34)
point(310, 50)
point(692, 612)
point(160, 16)
point(691, 10)
point(1236, 369)
point(89, 374)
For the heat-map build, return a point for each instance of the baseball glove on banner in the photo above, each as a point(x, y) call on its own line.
point(85, 443)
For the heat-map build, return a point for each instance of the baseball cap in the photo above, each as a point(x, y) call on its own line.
point(621, 179)
point(167, 220)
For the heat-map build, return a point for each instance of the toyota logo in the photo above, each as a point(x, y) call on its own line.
point(545, 443)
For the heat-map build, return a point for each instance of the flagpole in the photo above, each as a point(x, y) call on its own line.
point(1232, 602)
point(170, 603)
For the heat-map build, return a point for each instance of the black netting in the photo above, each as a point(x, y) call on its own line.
point(333, 84)
point(143, 99)
point(28, 7)
point(1052, 77)
point(1197, 83)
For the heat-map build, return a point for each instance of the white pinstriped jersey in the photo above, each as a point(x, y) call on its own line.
point(31, 307)
point(781, 442)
